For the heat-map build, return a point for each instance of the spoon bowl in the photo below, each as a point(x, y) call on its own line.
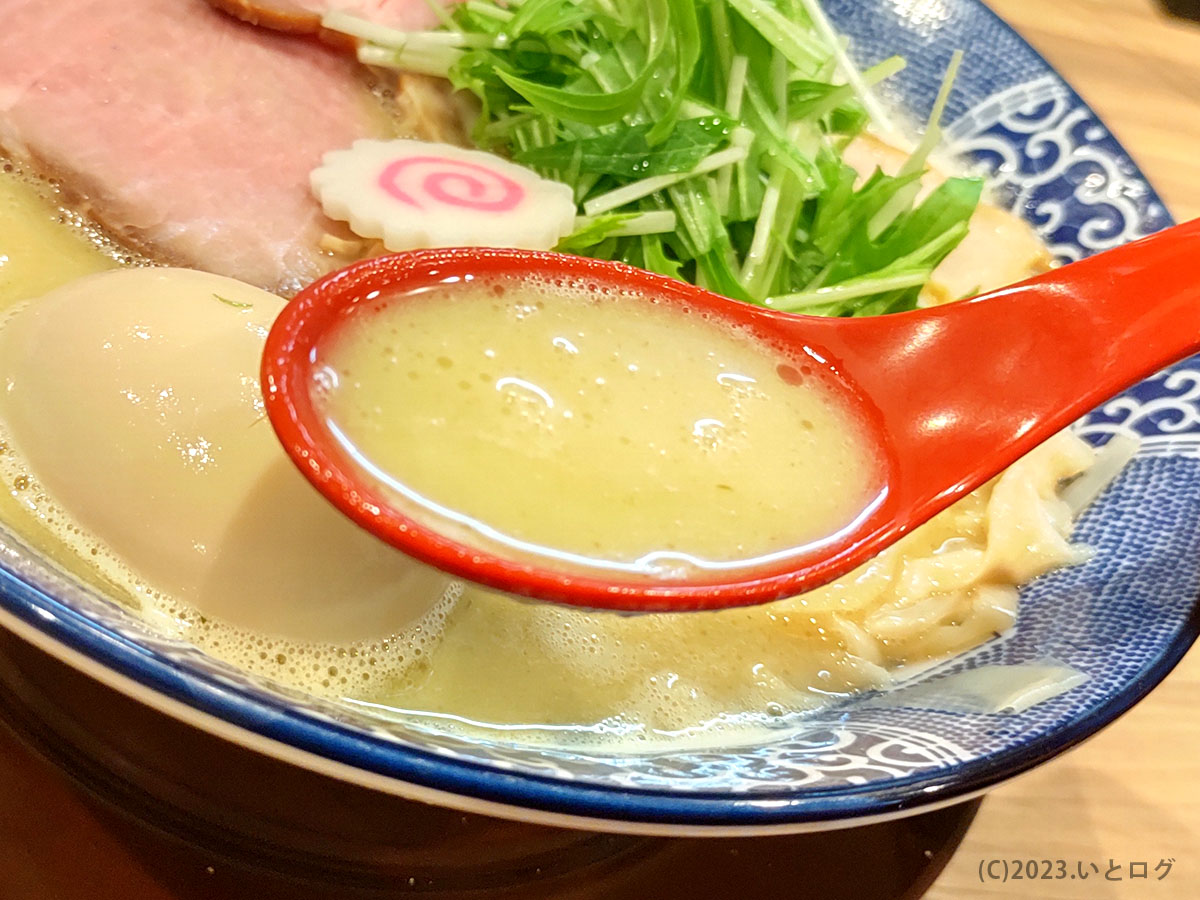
point(949, 396)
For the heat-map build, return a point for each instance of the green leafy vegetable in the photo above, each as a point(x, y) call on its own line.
point(590, 232)
point(702, 139)
point(629, 154)
point(234, 303)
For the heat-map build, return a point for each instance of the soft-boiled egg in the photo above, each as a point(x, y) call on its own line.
point(132, 399)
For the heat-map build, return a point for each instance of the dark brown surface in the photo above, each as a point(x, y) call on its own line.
point(247, 828)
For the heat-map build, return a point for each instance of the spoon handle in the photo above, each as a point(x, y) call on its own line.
point(968, 388)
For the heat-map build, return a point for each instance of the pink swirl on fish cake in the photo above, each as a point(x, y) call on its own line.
point(455, 183)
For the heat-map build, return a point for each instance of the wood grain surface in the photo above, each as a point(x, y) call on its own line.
point(1132, 794)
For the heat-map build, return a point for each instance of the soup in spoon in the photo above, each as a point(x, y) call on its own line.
point(581, 427)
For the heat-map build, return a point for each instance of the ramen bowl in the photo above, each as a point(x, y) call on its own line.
point(1115, 624)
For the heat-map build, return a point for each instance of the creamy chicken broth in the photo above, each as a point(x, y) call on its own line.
point(589, 429)
point(37, 251)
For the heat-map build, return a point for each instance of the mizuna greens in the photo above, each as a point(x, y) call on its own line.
point(702, 139)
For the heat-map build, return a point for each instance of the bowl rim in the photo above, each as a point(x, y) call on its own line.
point(276, 729)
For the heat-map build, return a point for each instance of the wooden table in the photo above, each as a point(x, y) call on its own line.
point(1132, 794)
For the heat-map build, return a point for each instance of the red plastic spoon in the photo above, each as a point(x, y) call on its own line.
point(953, 394)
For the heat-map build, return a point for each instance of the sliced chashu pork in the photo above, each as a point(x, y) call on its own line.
point(304, 16)
point(184, 132)
point(427, 106)
point(999, 248)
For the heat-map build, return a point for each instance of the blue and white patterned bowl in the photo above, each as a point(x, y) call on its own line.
point(1124, 618)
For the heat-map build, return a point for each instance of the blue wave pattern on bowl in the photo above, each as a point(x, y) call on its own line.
point(1123, 619)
